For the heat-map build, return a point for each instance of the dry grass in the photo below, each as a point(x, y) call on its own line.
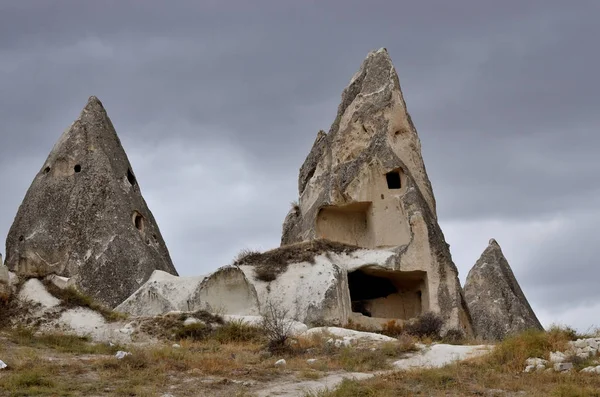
point(59, 342)
point(62, 365)
point(71, 297)
point(497, 374)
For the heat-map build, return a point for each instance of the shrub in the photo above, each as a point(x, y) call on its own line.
point(393, 328)
point(237, 331)
point(277, 327)
point(427, 325)
point(454, 336)
point(196, 332)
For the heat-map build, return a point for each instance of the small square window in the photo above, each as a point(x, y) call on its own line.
point(393, 180)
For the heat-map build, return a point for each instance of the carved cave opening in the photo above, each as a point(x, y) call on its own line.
point(77, 168)
point(380, 293)
point(347, 224)
point(138, 221)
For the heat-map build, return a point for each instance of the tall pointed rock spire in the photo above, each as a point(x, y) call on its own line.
point(497, 304)
point(364, 183)
point(84, 216)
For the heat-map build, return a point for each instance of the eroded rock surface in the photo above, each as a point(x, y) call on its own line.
point(225, 291)
point(364, 184)
point(497, 304)
point(84, 216)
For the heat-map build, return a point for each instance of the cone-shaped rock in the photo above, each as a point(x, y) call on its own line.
point(84, 216)
point(364, 183)
point(497, 304)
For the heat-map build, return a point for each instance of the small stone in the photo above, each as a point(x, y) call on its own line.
point(536, 361)
point(580, 343)
point(561, 367)
point(311, 360)
point(3, 364)
point(176, 346)
point(191, 320)
point(121, 355)
point(281, 363)
point(529, 368)
point(558, 357)
point(590, 350)
point(540, 367)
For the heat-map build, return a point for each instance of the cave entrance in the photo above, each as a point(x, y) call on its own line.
point(380, 293)
point(347, 224)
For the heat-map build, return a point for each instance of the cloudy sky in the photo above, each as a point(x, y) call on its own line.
point(218, 102)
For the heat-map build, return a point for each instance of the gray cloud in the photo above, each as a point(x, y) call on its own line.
point(218, 104)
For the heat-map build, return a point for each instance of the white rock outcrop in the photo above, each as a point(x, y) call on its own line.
point(33, 291)
point(225, 291)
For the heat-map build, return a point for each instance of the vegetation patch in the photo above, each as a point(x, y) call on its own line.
point(70, 298)
point(427, 325)
point(64, 343)
point(269, 265)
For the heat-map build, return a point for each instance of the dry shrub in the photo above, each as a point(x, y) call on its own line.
point(406, 343)
point(196, 332)
point(393, 328)
point(8, 309)
point(454, 336)
point(237, 331)
point(426, 325)
point(277, 328)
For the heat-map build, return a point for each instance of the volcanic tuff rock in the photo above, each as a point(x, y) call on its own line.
point(364, 183)
point(224, 291)
point(497, 304)
point(84, 216)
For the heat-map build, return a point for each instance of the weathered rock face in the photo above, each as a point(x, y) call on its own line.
point(497, 304)
point(226, 291)
point(84, 216)
point(364, 183)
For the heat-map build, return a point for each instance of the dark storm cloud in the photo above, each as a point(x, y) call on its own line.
point(217, 104)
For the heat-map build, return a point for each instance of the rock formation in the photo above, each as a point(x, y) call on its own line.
point(84, 216)
point(225, 291)
point(497, 304)
point(364, 183)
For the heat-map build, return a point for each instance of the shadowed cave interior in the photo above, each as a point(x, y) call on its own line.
point(388, 294)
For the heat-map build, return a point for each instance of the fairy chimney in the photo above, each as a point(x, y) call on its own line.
point(364, 184)
point(84, 216)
